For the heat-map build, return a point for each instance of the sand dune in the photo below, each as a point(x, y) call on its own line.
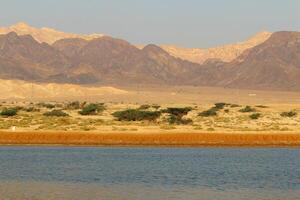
point(22, 90)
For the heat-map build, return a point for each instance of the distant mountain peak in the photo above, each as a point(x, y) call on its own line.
point(20, 25)
point(226, 53)
point(44, 34)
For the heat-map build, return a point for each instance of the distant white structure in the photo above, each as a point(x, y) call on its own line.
point(252, 95)
point(13, 128)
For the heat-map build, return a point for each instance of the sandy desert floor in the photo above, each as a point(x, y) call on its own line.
point(268, 106)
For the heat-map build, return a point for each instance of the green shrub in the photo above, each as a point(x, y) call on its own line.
point(247, 109)
point(220, 106)
point(136, 115)
point(180, 112)
point(176, 115)
point(144, 107)
point(9, 112)
point(92, 109)
point(255, 116)
point(288, 114)
point(56, 113)
point(209, 113)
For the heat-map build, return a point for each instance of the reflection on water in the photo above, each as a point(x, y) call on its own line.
point(149, 174)
point(57, 191)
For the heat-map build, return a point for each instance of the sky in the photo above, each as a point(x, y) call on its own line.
point(186, 23)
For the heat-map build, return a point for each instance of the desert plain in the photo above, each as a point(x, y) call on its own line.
point(150, 115)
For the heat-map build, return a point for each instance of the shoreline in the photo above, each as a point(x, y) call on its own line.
point(117, 139)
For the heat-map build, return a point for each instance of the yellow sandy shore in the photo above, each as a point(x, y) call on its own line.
point(149, 139)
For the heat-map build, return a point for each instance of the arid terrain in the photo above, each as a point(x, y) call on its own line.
point(190, 114)
point(53, 81)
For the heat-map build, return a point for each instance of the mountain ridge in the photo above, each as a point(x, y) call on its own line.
point(272, 65)
point(44, 34)
point(225, 53)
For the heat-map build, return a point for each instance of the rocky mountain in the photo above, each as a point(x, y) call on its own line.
point(110, 60)
point(22, 57)
point(103, 60)
point(273, 65)
point(47, 35)
point(224, 53)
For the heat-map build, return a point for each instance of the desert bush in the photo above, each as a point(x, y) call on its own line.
point(9, 112)
point(144, 107)
point(18, 108)
point(235, 106)
point(46, 105)
point(288, 114)
point(56, 113)
point(180, 112)
point(213, 111)
point(136, 115)
point(220, 106)
point(156, 107)
point(92, 109)
point(261, 106)
point(32, 109)
point(176, 115)
point(247, 109)
point(209, 113)
point(255, 116)
point(75, 105)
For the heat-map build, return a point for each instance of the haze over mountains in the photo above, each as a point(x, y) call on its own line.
point(267, 61)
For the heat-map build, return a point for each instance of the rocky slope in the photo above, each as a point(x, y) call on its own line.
point(224, 53)
point(273, 65)
point(102, 60)
point(47, 35)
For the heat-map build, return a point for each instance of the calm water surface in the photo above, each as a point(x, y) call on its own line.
point(149, 173)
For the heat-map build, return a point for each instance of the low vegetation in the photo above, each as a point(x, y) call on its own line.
point(136, 115)
point(92, 109)
point(209, 113)
point(82, 116)
point(213, 111)
point(46, 105)
point(75, 105)
point(288, 114)
point(247, 109)
point(176, 115)
point(56, 113)
point(9, 112)
point(255, 116)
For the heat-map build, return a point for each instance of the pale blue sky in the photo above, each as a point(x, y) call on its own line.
point(189, 23)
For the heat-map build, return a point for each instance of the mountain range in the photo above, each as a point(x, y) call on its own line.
point(267, 61)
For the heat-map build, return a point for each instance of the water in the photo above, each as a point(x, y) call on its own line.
point(149, 173)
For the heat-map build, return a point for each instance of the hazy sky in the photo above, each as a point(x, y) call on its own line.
point(189, 23)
